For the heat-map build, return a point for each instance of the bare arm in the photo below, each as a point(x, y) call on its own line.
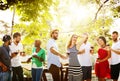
point(81, 42)
point(35, 56)
point(39, 58)
point(81, 51)
point(29, 59)
point(116, 51)
point(55, 52)
point(108, 56)
point(14, 54)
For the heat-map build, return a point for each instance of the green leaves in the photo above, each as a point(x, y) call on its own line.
point(33, 9)
point(34, 30)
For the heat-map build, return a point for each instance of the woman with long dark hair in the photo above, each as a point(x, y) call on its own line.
point(102, 69)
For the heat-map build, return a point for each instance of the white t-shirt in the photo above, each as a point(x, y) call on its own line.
point(115, 58)
point(85, 58)
point(15, 61)
point(52, 58)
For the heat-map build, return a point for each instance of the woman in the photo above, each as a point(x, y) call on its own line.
point(74, 69)
point(102, 69)
point(38, 57)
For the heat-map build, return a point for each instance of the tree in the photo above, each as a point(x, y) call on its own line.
point(34, 12)
point(29, 9)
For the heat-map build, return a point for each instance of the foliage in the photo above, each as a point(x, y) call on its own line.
point(32, 32)
point(95, 28)
point(36, 10)
point(36, 19)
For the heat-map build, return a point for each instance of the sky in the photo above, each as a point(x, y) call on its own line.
point(7, 15)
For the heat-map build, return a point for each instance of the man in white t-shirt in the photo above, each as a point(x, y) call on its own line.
point(115, 57)
point(54, 64)
point(85, 60)
point(16, 49)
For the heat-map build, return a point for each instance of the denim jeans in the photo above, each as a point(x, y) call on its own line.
point(37, 74)
point(5, 76)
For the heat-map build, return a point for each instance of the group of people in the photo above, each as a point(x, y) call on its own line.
point(80, 66)
point(78, 52)
point(10, 61)
point(10, 53)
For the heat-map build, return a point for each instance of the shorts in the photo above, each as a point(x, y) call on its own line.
point(87, 72)
point(115, 70)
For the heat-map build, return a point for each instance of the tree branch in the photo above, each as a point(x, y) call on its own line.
point(100, 8)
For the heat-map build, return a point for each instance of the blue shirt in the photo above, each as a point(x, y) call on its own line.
point(52, 58)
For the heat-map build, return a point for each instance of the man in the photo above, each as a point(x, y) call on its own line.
point(38, 57)
point(85, 60)
point(5, 64)
point(53, 56)
point(115, 57)
point(16, 50)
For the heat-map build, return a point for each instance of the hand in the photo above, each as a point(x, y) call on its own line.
point(28, 60)
point(15, 53)
point(4, 68)
point(35, 56)
point(63, 57)
point(22, 54)
point(98, 60)
point(0, 64)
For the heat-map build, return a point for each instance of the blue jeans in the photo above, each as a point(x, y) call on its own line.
point(37, 74)
point(5, 76)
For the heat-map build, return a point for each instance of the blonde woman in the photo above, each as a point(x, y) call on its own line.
point(74, 69)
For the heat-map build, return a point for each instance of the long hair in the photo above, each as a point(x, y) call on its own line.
point(70, 41)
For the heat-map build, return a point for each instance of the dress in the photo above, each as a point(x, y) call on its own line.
point(102, 69)
point(74, 69)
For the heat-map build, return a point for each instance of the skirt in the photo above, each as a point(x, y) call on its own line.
point(75, 73)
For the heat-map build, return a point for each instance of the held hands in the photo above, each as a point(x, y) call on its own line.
point(63, 56)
